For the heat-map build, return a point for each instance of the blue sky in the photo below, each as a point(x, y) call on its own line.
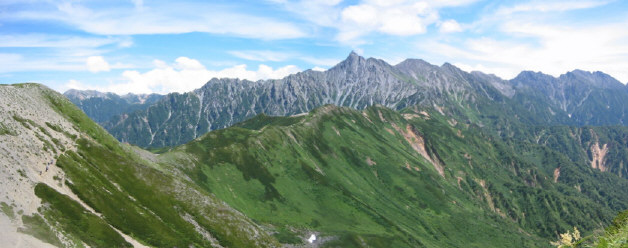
point(144, 46)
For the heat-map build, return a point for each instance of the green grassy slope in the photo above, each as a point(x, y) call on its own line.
point(357, 176)
point(154, 207)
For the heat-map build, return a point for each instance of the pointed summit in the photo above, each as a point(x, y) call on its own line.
point(353, 57)
point(352, 61)
point(353, 54)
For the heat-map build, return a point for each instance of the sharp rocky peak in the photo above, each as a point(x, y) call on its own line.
point(355, 62)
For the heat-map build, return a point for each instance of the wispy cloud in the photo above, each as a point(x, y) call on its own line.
point(74, 60)
point(277, 56)
point(320, 61)
point(161, 18)
point(13, 62)
point(264, 55)
point(60, 41)
point(551, 6)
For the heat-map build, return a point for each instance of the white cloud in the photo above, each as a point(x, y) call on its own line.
point(450, 26)
point(552, 49)
point(184, 75)
point(160, 18)
point(316, 68)
point(97, 64)
point(390, 17)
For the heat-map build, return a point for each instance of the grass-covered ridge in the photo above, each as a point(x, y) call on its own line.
point(75, 220)
point(358, 176)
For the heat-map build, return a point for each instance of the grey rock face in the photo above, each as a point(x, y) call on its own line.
point(355, 82)
point(588, 98)
point(575, 98)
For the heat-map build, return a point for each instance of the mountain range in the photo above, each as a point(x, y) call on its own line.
point(365, 154)
point(572, 99)
point(101, 107)
point(350, 178)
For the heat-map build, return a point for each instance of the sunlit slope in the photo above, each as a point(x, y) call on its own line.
point(378, 176)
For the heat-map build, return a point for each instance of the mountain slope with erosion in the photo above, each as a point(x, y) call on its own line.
point(379, 178)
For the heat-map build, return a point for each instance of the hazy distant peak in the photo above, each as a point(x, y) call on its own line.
point(414, 63)
point(597, 78)
point(451, 68)
point(85, 94)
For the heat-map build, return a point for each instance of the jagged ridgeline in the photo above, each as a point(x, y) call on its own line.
point(575, 98)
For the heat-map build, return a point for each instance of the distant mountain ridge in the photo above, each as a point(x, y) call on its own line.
point(588, 98)
point(575, 98)
point(101, 107)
